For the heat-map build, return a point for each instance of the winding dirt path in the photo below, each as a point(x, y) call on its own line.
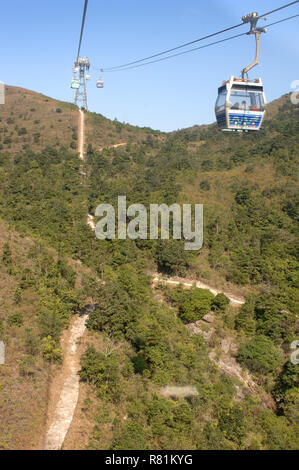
point(112, 146)
point(64, 391)
point(189, 283)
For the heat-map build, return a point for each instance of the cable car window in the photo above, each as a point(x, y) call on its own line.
point(220, 103)
point(246, 100)
point(257, 101)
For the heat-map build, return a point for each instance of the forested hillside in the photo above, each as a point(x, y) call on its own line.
point(141, 339)
point(247, 184)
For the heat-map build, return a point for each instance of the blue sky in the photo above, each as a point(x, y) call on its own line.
point(39, 41)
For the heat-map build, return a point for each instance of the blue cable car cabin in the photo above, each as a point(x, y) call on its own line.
point(240, 105)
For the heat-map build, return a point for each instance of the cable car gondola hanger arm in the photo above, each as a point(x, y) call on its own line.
point(253, 19)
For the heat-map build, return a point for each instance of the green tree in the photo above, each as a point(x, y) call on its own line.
point(171, 257)
point(278, 434)
point(232, 424)
point(102, 371)
point(260, 355)
point(15, 319)
point(245, 319)
point(51, 352)
point(131, 436)
point(6, 255)
point(196, 305)
point(220, 303)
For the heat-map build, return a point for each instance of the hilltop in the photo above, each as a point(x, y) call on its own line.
point(30, 120)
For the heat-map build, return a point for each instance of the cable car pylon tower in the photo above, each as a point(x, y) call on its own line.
point(80, 76)
point(81, 71)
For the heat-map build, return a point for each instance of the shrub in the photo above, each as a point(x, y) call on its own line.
point(6, 255)
point(17, 296)
point(15, 319)
point(26, 366)
point(220, 302)
point(36, 137)
point(139, 363)
point(205, 185)
point(22, 131)
point(132, 436)
point(171, 257)
point(285, 384)
point(31, 342)
point(51, 352)
point(176, 295)
point(291, 405)
point(196, 305)
point(232, 424)
point(102, 371)
point(260, 355)
point(278, 434)
point(245, 320)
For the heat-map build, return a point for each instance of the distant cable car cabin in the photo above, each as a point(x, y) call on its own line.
point(75, 84)
point(241, 103)
point(100, 83)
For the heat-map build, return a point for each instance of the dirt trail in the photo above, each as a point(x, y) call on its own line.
point(64, 390)
point(91, 221)
point(81, 134)
point(189, 283)
point(112, 146)
point(175, 391)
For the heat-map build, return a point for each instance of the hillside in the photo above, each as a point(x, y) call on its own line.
point(101, 132)
point(24, 377)
point(143, 339)
point(33, 121)
point(40, 290)
point(247, 184)
point(30, 120)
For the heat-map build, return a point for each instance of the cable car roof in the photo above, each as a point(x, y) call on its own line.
point(242, 84)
